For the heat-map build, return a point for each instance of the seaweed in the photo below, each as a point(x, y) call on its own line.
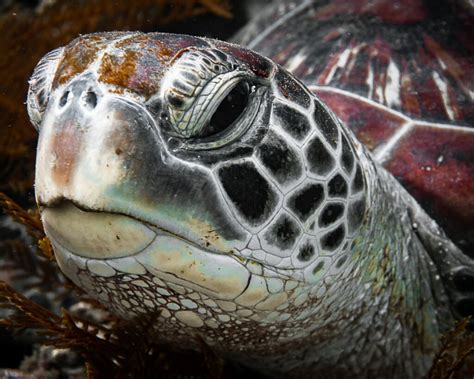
point(19, 258)
point(117, 348)
point(456, 356)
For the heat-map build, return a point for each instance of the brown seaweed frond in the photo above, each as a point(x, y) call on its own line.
point(45, 247)
point(15, 171)
point(29, 218)
point(65, 331)
point(120, 349)
point(20, 259)
point(16, 256)
point(21, 264)
point(456, 356)
point(25, 36)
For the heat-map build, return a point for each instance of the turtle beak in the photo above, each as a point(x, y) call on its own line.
point(83, 154)
point(90, 144)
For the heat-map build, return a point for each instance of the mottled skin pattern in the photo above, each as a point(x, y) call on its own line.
point(277, 238)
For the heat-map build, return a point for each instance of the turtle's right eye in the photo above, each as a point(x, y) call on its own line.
point(228, 111)
point(40, 85)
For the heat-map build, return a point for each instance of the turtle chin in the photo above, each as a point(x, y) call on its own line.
point(91, 244)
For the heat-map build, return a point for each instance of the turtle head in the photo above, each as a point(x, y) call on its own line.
point(195, 169)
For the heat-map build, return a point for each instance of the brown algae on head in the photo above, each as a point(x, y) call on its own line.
point(117, 70)
point(78, 58)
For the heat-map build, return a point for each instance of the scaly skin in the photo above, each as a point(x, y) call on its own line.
point(275, 237)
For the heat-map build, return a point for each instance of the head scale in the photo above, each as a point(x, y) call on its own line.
point(198, 174)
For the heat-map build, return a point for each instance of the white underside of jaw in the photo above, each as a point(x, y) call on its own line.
point(219, 277)
point(170, 259)
point(107, 244)
point(169, 264)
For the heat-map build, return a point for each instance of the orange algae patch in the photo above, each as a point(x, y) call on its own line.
point(77, 59)
point(164, 54)
point(118, 70)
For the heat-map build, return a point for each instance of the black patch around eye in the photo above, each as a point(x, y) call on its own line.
point(249, 191)
point(154, 106)
point(337, 186)
point(333, 239)
point(355, 215)
point(330, 214)
point(305, 202)
point(306, 252)
point(319, 159)
point(280, 160)
point(325, 123)
point(283, 233)
point(292, 121)
point(347, 156)
point(358, 182)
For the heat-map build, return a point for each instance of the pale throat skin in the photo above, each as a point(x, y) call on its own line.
point(273, 234)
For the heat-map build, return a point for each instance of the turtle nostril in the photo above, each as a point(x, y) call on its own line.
point(91, 99)
point(63, 99)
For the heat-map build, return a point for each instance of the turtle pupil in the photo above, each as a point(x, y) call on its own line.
point(228, 111)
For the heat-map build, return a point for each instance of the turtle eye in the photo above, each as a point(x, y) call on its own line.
point(40, 85)
point(228, 111)
point(210, 100)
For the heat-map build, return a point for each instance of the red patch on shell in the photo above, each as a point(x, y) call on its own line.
point(393, 11)
point(436, 165)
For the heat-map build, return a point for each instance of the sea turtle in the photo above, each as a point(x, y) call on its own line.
point(200, 181)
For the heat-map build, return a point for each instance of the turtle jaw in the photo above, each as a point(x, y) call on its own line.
point(106, 244)
point(95, 234)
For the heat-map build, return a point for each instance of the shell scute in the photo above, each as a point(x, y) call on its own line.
point(437, 166)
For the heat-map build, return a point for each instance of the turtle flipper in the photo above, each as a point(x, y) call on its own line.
point(456, 269)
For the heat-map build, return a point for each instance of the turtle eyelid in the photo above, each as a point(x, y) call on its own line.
point(41, 83)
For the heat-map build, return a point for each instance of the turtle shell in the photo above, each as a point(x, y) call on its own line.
point(400, 74)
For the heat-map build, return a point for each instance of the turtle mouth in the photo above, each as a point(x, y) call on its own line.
point(98, 234)
point(106, 244)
